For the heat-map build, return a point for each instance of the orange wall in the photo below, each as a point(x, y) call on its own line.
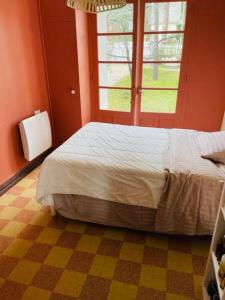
point(22, 78)
point(83, 65)
point(205, 90)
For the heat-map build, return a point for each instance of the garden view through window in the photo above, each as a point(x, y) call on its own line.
point(161, 54)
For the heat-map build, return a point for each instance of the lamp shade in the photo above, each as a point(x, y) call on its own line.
point(96, 6)
point(223, 123)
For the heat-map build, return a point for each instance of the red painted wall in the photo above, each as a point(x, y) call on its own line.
point(83, 65)
point(22, 78)
point(205, 89)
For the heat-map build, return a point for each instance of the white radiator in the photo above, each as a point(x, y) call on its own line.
point(36, 135)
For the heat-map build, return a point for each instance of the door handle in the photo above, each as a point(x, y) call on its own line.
point(72, 92)
point(137, 91)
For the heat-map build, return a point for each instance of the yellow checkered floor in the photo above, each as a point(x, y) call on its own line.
point(44, 257)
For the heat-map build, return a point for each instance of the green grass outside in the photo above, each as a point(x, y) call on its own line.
point(152, 101)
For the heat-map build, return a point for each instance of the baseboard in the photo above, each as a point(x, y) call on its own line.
point(23, 172)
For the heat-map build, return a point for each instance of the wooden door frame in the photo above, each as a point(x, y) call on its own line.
point(110, 116)
point(97, 113)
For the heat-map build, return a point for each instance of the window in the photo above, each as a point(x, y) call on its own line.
point(115, 58)
point(162, 54)
point(142, 77)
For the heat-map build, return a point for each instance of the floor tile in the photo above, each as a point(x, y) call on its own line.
point(9, 212)
point(109, 247)
point(70, 283)
point(49, 236)
point(103, 266)
point(7, 264)
point(68, 239)
point(157, 240)
point(33, 293)
point(153, 277)
point(81, 261)
point(58, 257)
point(180, 283)
point(178, 261)
point(149, 294)
point(132, 252)
point(120, 291)
point(18, 248)
point(12, 290)
point(24, 272)
point(47, 277)
point(38, 252)
point(128, 272)
point(30, 232)
point(12, 229)
point(88, 243)
point(95, 288)
point(155, 256)
point(55, 258)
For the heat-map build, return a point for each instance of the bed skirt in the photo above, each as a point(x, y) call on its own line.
point(105, 212)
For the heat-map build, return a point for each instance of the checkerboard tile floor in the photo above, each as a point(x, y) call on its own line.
point(44, 257)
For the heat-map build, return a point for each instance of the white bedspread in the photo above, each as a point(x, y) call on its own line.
point(111, 162)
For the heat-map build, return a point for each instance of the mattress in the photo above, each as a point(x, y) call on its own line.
point(105, 212)
point(118, 163)
point(147, 168)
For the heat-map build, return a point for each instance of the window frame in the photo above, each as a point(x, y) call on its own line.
point(152, 118)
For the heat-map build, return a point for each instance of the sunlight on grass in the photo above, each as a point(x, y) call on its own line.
point(159, 101)
point(152, 101)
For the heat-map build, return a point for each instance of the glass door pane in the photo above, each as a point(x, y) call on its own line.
point(162, 55)
point(159, 101)
point(115, 75)
point(163, 47)
point(165, 16)
point(115, 58)
point(156, 75)
point(115, 48)
point(116, 21)
point(115, 99)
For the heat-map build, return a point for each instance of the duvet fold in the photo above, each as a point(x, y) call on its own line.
point(110, 162)
point(193, 188)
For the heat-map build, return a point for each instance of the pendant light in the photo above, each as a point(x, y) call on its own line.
point(96, 6)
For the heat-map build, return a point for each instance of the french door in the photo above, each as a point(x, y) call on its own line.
point(137, 56)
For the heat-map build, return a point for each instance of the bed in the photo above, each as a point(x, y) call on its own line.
point(143, 178)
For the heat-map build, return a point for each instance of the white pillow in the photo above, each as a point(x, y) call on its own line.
point(211, 142)
point(212, 146)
